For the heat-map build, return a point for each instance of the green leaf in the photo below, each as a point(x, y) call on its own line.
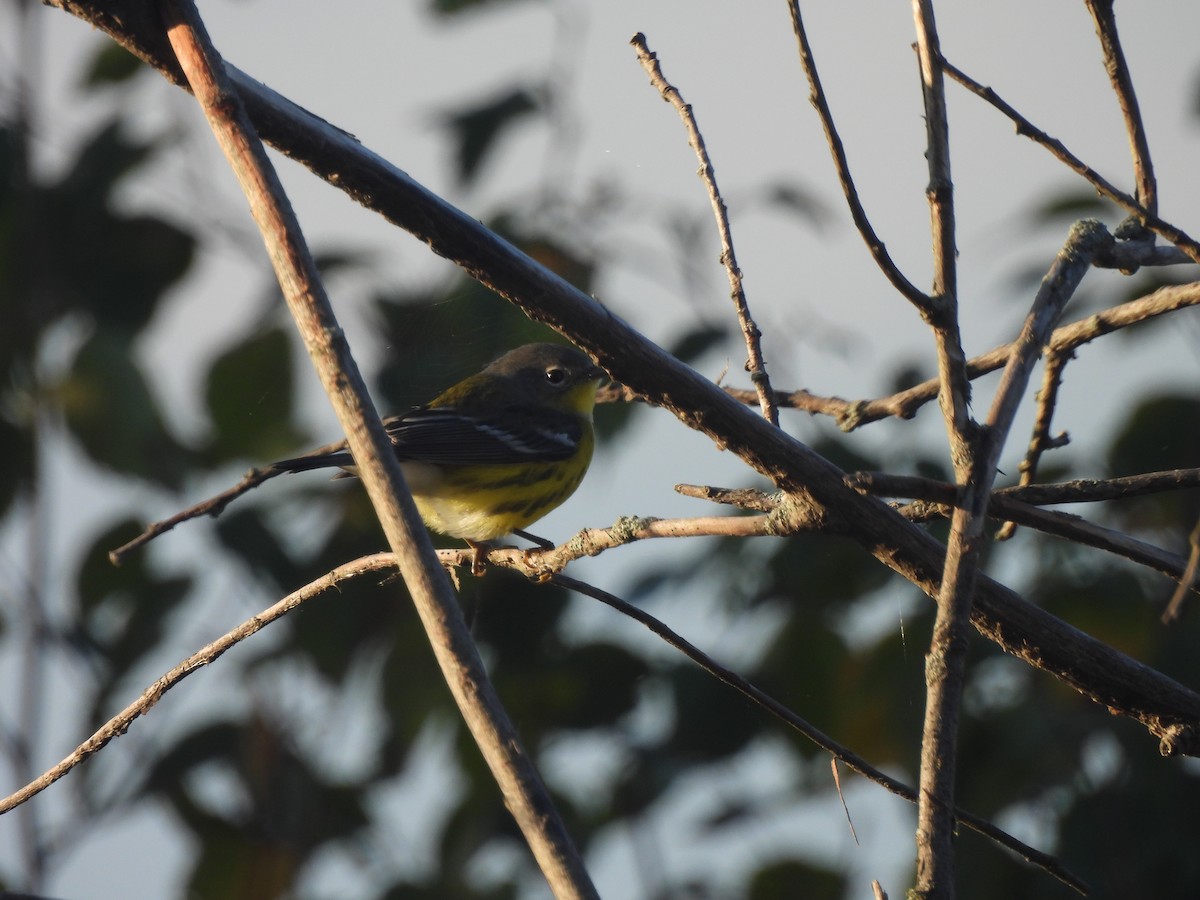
point(16, 462)
point(111, 412)
point(1163, 432)
point(454, 7)
point(789, 879)
point(1072, 205)
point(124, 611)
point(104, 159)
point(125, 272)
point(250, 397)
point(798, 200)
point(246, 535)
point(712, 721)
point(477, 130)
point(111, 64)
point(114, 266)
point(694, 343)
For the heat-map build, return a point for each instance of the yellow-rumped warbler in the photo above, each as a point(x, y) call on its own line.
point(497, 451)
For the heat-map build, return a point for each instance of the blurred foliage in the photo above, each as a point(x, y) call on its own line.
point(477, 130)
point(76, 269)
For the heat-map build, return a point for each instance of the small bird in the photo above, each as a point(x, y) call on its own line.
point(497, 451)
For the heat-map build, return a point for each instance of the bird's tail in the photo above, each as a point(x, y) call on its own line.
point(335, 460)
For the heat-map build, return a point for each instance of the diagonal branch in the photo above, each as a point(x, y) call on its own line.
point(386, 562)
point(753, 337)
point(1122, 82)
point(1042, 440)
point(1163, 229)
point(1189, 581)
point(1170, 711)
point(853, 414)
point(817, 98)
point(524, 794)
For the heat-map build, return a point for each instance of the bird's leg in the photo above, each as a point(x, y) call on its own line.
point(479, 557)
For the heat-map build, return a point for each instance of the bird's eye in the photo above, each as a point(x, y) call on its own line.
point(556, 375)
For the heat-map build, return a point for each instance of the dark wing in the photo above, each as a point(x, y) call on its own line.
point(444, 435)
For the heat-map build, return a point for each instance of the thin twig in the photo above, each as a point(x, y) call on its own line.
point(853, 414)
point(753, 337)
point(213, 506)
point(816, 97)
point(524, 793)
point(743, 498)
point(385, 562)
point(1188, 582)
point(1041, 439)
point(1081, 490)
point(818, 737)
point(119, 724)
point(1122, 82)
point(1026, 128)
point(935, 499)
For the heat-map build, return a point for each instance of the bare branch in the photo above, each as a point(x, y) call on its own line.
point(1122, 82)
point(816, 97)
point(753, 337)
point(745, 498)
point(1041, 440)
point(463, 669)
point(1026, 128)
point(120, 723)
point(1188, 582)
point(1167, 709)
point(937, 498)
point(945, 664)
point(852, 414)
point(213, 506)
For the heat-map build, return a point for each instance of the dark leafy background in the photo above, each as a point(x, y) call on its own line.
point(1118, 814)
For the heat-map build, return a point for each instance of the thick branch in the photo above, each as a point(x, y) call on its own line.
point(524, 794)
point(1108, 677)
point(945, 664)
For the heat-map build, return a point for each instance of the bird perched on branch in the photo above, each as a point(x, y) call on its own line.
point(497, 451)
point(486, 457)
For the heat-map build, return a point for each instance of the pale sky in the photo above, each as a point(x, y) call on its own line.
point(384, 71)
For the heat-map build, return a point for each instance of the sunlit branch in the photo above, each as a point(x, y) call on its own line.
point(1122, 82)
point(817, 98)
point(753, 337)
point(1026, 128)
